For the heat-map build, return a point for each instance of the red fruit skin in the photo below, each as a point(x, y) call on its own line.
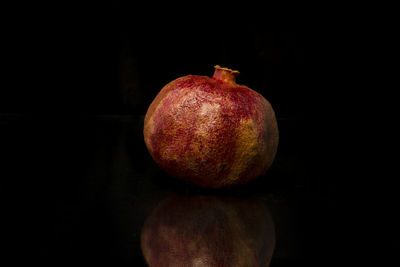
point(211, 131)
point(208, 231)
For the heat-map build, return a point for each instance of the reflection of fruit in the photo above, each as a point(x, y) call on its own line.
point(208, 231)
point(211, 131)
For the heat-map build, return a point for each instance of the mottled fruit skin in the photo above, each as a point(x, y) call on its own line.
point(211, 131)
point(208, 231)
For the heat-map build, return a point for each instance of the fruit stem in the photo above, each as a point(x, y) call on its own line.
point(225, 74)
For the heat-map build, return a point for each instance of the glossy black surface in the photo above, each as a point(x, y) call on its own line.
point(80, 190)
point(77, 182)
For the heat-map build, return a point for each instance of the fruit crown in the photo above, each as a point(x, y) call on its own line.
point(235, 72)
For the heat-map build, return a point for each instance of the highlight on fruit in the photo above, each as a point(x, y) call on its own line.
point(211, 131)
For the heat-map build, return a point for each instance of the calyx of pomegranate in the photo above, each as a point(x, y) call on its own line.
point(225, 74)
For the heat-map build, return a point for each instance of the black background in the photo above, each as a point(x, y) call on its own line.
point(77, 180)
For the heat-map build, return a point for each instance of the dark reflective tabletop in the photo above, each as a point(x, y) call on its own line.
point(86, 190)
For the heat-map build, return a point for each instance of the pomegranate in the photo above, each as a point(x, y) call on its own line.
point(204, 230)
point(212, 132)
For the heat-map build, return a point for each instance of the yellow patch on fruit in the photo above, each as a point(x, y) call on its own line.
point(246, 149)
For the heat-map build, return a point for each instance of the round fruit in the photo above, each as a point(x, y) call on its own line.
point(212, 132)
point(208, 231)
